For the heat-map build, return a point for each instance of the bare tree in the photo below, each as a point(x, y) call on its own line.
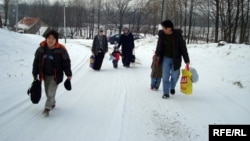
point(190, 19)
point(92, 19)
point(229, 19)
point(208, 19)
point(6, 11)
point(109, 13)
point(122, 6)
point(99, 5)
point(236, 22)
point(154, 14)
point(244, 20)
point(185, 19)
point(138, 14)
point(217, 17)
point(205, 9)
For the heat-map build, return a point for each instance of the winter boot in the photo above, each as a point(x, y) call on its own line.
point(165, 96)
point(53, 106)
point(46, 112)
point(172, 91)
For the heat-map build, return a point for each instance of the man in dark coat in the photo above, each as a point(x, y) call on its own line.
point(171, 47)
point(99, 48)
point(51, 61)
point(127, 43)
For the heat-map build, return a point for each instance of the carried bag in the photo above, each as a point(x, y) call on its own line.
point(92, 61)
point(186, 82)
point(35, 91)
point(195, 75)
point(132, 59)
point(67, 84)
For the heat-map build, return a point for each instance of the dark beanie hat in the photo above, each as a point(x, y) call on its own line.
point(53, 33)
point(167, 23)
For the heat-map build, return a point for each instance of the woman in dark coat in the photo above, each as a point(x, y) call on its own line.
point(127, 43)
point(99, 48)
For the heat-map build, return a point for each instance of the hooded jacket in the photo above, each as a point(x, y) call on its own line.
point(179, 48)
point(61, 62)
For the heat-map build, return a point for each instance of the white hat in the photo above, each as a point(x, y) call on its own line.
point(195, 76)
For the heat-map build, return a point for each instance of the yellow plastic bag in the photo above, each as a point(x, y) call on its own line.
point(186, 82)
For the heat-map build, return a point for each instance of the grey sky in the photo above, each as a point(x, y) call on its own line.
point(1, 1)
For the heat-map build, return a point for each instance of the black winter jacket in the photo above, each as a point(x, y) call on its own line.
point(179, 48)
point(127, 43)
point(61, 61)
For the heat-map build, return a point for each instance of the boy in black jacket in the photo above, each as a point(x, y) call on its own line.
point(51, 61)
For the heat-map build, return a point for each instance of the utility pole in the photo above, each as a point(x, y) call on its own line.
point(164, 10)
point(64, 20)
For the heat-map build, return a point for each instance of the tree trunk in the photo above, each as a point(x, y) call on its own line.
point(190, 20)
point(1, 24)
point(217, 15)
point(185, 20)
point(6, 11)
point(122, 6)
point(208, 20)
point(247, 23)
point(236, 22)
point(243, 21)
point(229, 21)
point(99, 14)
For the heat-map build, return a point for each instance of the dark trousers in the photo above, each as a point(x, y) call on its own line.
point(98, 61)
point(126, 58)
point(115, 63)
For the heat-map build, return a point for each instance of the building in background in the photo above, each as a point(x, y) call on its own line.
point(32, 26)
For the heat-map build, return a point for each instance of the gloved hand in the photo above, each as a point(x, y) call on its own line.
point(158, 61)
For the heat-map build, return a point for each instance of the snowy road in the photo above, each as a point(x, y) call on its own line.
point(117, 105)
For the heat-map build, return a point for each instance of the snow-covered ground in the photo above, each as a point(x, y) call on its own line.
point(117, 105)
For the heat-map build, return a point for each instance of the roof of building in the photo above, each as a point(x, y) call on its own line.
point(27, 22)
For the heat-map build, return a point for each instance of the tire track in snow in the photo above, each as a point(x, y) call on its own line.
point(116, 129)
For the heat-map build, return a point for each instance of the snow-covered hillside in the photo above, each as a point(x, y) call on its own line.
point(117, 105)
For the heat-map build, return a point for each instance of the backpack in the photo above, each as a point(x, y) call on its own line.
point(35, 91)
